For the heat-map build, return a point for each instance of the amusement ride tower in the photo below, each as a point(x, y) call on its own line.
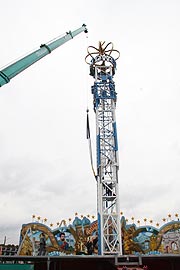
point(102, 69)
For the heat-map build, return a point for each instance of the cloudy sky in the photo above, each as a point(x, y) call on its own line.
point(44, 159)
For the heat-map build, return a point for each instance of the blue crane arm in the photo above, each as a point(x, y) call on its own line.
point(14, 69)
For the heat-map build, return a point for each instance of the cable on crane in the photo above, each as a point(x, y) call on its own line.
point(88, 134)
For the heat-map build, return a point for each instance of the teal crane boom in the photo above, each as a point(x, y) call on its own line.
point(14, 69)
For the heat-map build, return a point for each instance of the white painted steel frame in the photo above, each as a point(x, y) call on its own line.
point(107, 163)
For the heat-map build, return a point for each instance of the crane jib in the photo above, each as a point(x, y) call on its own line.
point(20, 65)
point(4, 77)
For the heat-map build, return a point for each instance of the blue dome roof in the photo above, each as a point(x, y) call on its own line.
point(77, 222)
point(85, 221)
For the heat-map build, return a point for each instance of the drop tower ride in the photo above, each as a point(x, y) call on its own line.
point(102, 62)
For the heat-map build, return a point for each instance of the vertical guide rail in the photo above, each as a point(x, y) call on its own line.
point(102, 68)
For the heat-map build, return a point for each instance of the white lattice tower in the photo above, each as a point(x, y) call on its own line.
point(102, 68)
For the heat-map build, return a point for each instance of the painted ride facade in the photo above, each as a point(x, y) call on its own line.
point(144, 240)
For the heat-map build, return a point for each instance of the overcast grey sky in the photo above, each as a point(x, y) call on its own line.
point(44, 159)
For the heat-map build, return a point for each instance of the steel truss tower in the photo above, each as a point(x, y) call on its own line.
point(102, 68)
